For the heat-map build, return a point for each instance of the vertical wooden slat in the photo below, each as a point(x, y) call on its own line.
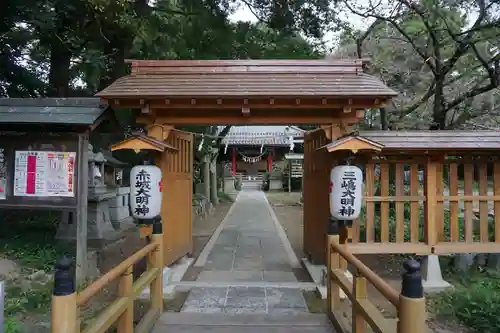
point(400, 205)
point(384, 205)
point(306, 218)
point(343, 240)
point(359, 290)
point(496, 186)
point(355, 231)
point(483, 204)
point(439, 204)
point(430, 203)
point(370, 206)
point(468, 190)
point(453, 185)
point(414, 206)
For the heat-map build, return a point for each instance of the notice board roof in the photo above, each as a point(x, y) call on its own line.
point(77, 113)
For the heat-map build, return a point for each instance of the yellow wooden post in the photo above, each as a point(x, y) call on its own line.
point(156, 287)
point(125, 289)
point(411, 312)
point(333, 262)
point(64, 308)
point(359, 290)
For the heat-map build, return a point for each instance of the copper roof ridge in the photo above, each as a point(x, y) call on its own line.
point(186, 72)
point(247, 62)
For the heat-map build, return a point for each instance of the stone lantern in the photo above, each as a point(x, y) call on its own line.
point(96, 171)
point(99, 222)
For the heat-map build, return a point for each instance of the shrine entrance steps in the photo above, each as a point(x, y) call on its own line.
point(183, 322)
point(247, 282)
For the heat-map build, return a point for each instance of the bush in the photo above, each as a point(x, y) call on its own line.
point(475, 302)
point(10, 325)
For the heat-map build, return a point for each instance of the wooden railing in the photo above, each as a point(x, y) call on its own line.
point(410, 303)
point(66, 302)
point(429, 205)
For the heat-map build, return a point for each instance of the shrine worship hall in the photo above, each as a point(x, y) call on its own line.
point(332, 94)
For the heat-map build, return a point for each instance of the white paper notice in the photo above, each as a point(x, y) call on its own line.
point(44, 174)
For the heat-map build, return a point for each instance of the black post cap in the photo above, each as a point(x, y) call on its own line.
point(411, 286)
point(64, 278)
point(157, 226)
point(333, 226)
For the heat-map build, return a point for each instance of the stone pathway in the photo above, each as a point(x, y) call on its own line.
point(249, 247)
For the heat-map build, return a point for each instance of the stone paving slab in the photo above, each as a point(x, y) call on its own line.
point(278, 276)
point(231, 276)
point(245, 300)
point(249, 248)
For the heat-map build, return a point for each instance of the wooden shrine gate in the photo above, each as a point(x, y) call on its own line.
point(166, 94)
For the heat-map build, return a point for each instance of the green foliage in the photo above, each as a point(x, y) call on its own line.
point(29, 239)
point(63, 44)
point(475, 302)
point(11, 325)
point(37, 299)
point(440, 55)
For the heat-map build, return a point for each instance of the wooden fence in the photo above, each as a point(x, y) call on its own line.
point(410, 303)
point(421, 204)
point(66, 302)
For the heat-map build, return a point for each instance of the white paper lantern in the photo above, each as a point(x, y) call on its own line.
point(346, 192)
point(145, 191)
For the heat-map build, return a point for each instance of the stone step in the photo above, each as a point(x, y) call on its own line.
point(177, 322)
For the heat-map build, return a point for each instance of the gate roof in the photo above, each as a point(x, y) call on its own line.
point(247, 92)
point(246, 78)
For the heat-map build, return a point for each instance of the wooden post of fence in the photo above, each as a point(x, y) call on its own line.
point(333, 262)
point(156, 287)
point(430, 192)
point(411, 312)
point(125, 289)
point(64, 308)
point(343, 240)
point(359, 291)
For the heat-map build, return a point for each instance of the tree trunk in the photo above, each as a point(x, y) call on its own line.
point(214, 198)
point(60, 53)
point(384, 121)
point(206, 176)
point(438, 113)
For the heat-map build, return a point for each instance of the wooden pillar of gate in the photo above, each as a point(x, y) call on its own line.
point(317, 166)
point(177, 179)
point(176, 209)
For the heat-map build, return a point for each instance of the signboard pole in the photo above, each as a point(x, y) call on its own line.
point(81, 207)
point(2, 302)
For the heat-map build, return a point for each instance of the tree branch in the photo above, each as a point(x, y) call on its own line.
point(423, 99)
point(469, 94)
point(423, 54)
point(464, 44)
point(361, 40)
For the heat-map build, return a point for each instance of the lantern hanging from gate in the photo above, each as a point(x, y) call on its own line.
point(145, 191)
point(346, 192)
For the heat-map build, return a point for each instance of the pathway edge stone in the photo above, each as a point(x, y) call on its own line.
point(292, 257)
point(202, 258)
